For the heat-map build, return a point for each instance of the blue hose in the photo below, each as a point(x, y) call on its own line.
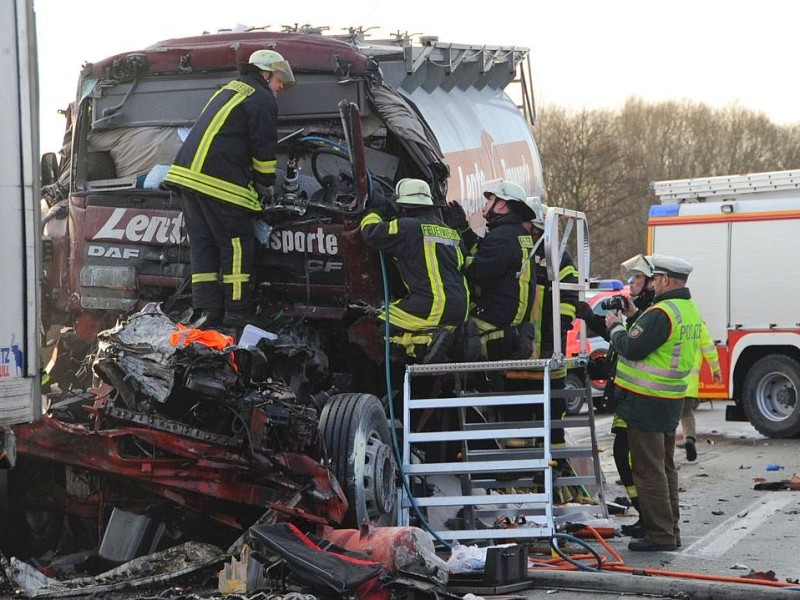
point(571, 538)
point(395, 443)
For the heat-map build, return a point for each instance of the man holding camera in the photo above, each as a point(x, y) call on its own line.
point(639, 272)
point(657, 356)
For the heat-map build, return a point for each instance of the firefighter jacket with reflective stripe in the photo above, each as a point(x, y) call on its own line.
point(231, 145)
point(429, 256)
point(656, 359)
point(708, 352)
point(542, 313)
point(500, 274)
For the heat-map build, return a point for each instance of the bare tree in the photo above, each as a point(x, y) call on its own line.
point(602, 162)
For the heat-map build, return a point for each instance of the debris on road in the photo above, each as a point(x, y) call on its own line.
point(157, 568)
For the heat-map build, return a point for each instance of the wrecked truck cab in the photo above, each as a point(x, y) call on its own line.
point(362, 116)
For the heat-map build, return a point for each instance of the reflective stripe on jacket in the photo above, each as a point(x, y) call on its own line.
point(665, 372)
point(429, 256)
point(232, 144)
point(500, 273)
point(542, 312)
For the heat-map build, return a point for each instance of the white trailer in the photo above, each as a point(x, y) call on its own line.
point(20, 398)
point(742, 235)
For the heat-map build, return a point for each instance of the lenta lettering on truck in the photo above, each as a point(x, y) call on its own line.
point(315, 241)
point(132, 226)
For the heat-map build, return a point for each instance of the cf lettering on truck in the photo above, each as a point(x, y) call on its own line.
point(741, 234)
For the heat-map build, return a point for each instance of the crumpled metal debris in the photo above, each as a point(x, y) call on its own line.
point(146, 570)
point(136, 355)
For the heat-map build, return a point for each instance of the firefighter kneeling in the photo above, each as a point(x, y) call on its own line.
point(429, 256)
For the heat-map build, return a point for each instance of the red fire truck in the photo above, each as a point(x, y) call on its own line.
point(740, 233)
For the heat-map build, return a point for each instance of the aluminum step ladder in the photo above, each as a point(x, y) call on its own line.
point(491, 477)
point(506, 490)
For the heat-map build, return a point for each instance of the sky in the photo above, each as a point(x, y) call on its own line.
point(584, 53)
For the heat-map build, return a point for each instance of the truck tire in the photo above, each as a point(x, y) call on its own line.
point(574, 403)
point(769, 396)
point(358, 440)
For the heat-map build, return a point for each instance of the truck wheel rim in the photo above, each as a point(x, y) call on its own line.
point(776, 396)
point(378, 479)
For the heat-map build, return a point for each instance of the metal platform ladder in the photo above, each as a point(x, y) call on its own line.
point(495, 481)
point(504, 467)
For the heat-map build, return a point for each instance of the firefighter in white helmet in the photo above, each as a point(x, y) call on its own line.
point(638, 272)
point(223, 172)
point(498, 272)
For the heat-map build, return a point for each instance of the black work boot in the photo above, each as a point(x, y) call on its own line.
point(691, 449)
point(647, 546)
point(440, 346)
point(636, 530)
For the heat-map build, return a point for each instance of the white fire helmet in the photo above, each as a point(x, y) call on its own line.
point(269, 60)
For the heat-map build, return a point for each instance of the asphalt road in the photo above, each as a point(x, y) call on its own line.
point(728, 529)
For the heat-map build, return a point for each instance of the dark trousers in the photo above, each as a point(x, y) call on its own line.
point(656, 482)
point(622, 459)
point(222, 250)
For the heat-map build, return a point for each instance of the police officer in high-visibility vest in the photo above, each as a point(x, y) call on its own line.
point(656, 359)
point(222, 172)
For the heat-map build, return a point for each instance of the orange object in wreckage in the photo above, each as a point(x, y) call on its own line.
point(207, 337)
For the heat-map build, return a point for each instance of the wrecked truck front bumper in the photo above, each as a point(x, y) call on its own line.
point(208, 478)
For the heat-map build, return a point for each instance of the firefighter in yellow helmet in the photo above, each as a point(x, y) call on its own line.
point(224, 168)
point(429, 256)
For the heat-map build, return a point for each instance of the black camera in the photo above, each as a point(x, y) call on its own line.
point(614, 303)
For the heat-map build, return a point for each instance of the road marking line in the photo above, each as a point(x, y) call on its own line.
point(720, 539)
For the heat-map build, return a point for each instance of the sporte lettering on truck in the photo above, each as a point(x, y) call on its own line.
point(363, 115)
point(317, 241)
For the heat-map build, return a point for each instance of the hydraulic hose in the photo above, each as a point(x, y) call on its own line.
point(618, 565)
point(395, 442)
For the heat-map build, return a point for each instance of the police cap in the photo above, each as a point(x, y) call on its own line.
point(670, 265)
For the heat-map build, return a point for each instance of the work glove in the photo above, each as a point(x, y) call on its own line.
point(455, 217)
point(383, 206)
point(583, 311)
point(266, 194)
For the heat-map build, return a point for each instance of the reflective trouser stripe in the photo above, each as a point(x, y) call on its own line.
point(236, 278)
point(205, 277)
